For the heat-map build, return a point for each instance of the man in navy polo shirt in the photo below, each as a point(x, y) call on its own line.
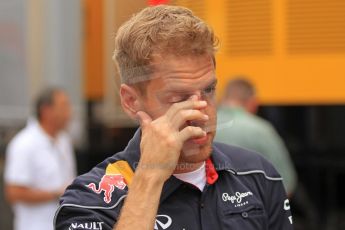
point(171, 175)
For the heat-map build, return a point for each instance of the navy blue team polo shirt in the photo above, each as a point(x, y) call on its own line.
point(243, 192)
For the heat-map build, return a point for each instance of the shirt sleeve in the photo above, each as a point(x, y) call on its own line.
point(279, 208)
point(71, 218)
point(273, 147)
point(17, 166)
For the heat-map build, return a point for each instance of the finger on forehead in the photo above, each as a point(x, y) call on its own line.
point(188, 104)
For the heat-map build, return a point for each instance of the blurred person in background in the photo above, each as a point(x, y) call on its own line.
point(172, 175)
point(40, 163)
point(238, 125)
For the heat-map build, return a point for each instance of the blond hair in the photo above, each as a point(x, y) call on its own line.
point(159, 30)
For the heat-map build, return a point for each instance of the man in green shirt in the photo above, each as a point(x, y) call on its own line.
point(238, 125)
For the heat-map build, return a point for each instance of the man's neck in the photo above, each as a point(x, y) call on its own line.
point(232, 104)
point(49, 130)
point(184, 167)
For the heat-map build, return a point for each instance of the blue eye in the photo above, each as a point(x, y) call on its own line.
point(210, 90)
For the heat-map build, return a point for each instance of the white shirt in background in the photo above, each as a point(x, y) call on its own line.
point(35, 160)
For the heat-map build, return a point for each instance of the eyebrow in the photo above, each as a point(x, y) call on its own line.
point(211, 84)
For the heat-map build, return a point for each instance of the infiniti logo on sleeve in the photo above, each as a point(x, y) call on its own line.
point(162, 222)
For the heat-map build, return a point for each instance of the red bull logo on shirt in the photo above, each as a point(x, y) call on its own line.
point(107, 185)
point(117, 175)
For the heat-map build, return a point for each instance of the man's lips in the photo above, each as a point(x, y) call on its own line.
point(200, 140)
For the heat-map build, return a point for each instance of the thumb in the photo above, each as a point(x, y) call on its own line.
point(143, 118)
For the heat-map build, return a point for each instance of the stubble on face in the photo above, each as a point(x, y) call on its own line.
point(177, 79)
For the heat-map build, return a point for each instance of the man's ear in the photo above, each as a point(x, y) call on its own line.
point(130, 100)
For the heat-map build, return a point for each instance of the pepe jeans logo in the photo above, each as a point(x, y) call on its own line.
point(237, 199)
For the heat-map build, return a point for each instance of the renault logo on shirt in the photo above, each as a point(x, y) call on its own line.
point(162, 222)
point(87, 225)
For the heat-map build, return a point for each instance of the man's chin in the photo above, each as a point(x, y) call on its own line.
point(196, 155)
point(197, 150)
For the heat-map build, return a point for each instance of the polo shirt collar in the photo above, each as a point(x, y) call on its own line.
point(220, 160)
point(42, 135)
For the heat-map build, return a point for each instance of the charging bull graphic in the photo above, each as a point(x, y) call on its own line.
point(117, 175)
point(107, 185)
